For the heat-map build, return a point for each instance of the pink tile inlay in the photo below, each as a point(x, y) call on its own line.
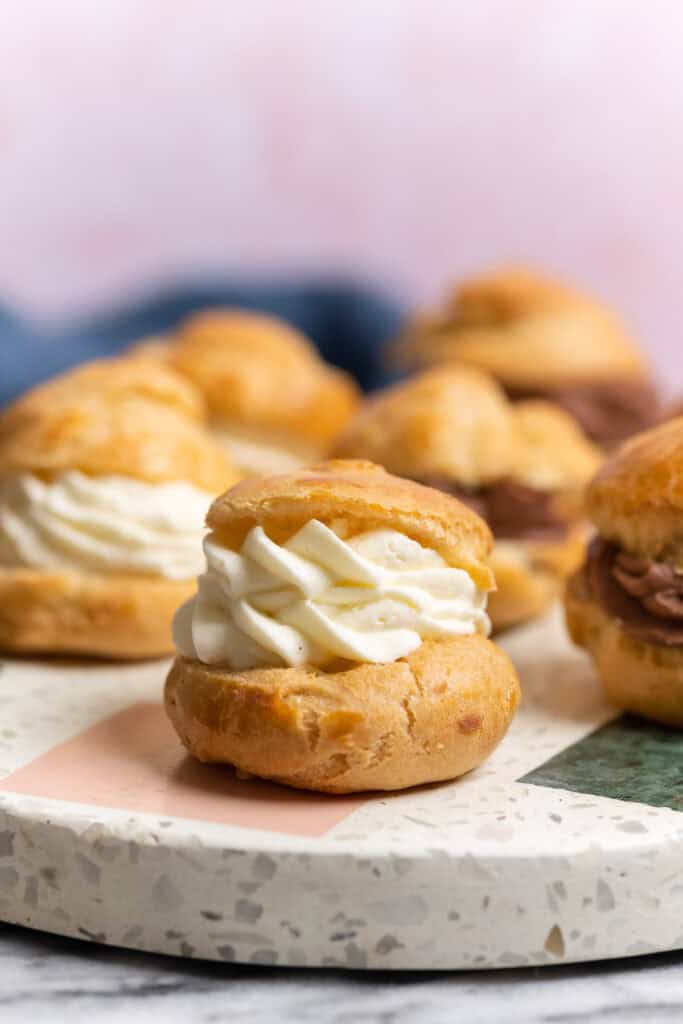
point(133, 761)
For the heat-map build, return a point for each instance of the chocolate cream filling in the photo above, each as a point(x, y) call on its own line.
point(511, 509)
point(608, 411)
point(646, 596)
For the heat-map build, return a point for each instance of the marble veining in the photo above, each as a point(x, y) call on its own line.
point(45, 978)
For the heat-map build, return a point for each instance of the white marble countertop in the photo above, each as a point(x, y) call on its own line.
point(45, 978)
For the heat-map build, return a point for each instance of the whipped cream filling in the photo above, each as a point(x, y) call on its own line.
point(263, 452)
point(107, 525)
point(372, 598)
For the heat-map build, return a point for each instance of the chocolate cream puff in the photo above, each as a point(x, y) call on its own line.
point(103, 495)
point(274, 403)
point(338, 640)
point(625, 605)
point(521, 467)
point(541, 339)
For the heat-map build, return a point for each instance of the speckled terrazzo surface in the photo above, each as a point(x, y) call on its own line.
point(485, 872)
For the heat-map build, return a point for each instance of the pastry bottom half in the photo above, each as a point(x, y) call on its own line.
point(106, 616)
point(433, 715)
point(646, 679)
point(530, 576)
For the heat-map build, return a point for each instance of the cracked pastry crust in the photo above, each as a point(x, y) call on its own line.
point(130, 376)
point(433, 715)
point(636, 499)
point(256, 370)
point(455, 422)
point(352, 496)
point(104, 433)
point(644, 678)
point(503, 296)
point(451, 421)
point(526, 330)
point(554, 453)
point(69, 613)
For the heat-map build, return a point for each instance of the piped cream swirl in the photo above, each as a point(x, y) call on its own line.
point(106, 525)
point(372, 598)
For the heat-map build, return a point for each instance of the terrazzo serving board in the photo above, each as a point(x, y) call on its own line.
point(566, 845)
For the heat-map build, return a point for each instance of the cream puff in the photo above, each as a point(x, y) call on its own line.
point(102, 503)
point(338, 640)
point(274, 403)
point(625, 605)
point(541, 339)
point(521, 467)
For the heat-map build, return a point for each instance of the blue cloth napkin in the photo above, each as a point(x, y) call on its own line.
point(349, 324)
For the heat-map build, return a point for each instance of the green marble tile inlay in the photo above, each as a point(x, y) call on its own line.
point(629, 759)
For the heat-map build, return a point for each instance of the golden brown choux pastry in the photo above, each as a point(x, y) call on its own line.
point(522, 467)
point(274, 403)
point(541, 339)
point(338, 640)
point(625, 605)
point(102, 500)
point(126, 376)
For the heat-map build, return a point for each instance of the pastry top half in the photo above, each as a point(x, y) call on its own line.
point(352, 497)
point(528, 332)
point(505, 295)
point(256, 370)
point(636, 499)
point(554, 453)
point(449, 421)
point(152, 347)
point(101, 433)
point(454, 423)
point(128, 376)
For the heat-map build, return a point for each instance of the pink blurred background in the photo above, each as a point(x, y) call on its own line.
point(405, 141)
